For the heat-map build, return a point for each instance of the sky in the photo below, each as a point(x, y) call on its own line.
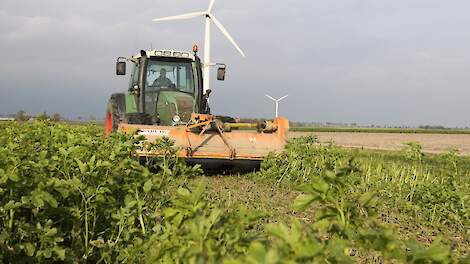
point(386, 62)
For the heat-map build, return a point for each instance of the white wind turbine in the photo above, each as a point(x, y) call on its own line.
point(207, 37)
point(277, 102)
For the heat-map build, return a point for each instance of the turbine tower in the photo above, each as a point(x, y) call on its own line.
point(209, 17)
point(277, 102)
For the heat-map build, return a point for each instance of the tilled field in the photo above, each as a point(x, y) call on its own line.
point(431, 143)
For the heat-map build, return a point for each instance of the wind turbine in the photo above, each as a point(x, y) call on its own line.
point(207, 37)
point(277, 102)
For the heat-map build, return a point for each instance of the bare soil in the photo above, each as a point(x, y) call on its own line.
point(431, 143)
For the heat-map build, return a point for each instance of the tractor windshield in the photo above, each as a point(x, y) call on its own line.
point(176, 76)
point(170, 90)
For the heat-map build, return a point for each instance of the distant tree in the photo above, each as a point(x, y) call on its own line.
point(92, 118)
point(432, 127)
point(21, 116)
point(56, 117)
point(42, 116)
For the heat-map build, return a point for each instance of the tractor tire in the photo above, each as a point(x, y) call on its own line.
point(114, 112)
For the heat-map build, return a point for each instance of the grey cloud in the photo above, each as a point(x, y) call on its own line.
point(386, 62)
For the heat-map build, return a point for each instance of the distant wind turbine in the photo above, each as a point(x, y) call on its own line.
point(277, 102)
point(207, 37)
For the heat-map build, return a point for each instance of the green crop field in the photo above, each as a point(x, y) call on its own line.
point(68, 194)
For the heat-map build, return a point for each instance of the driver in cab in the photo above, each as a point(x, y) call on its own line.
point(163, 81)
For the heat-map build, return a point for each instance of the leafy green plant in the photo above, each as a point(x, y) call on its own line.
point(413, 151)
point(68, 194)
point(421, 190)
point(302, 159)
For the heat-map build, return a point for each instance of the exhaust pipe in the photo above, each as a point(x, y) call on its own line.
point(142, 76)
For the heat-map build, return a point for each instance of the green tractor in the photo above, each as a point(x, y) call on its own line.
point(165, 88)
point(166, 98)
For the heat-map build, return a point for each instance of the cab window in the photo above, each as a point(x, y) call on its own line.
point(170, 75)
point(134, 80)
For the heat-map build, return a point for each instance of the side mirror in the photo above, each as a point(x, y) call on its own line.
point(121, 66)
point(221, 73)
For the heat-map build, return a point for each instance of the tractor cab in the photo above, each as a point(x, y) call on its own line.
point(165, 87)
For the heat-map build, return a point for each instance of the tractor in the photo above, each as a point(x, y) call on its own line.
point(166, 98)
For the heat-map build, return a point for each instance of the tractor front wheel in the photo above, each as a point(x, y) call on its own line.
point(112, 117)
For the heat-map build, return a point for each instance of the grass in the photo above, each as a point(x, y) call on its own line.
point(381, 130)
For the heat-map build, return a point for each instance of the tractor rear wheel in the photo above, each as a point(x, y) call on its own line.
point(114, 113)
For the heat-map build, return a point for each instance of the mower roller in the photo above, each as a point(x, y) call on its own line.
point(166, 99)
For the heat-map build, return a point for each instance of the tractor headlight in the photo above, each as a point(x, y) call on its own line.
point(176, 119)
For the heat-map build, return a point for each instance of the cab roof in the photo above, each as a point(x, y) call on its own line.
point(165, 54)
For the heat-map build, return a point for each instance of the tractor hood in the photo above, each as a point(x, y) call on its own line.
point(172, 103)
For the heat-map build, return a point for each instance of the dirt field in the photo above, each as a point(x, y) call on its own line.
point(432, 143)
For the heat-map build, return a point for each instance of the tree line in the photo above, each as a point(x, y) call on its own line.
point(24, 116)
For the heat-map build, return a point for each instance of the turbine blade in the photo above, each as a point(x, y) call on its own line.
point(271, 98)
point(282, 97)
point(210, 6)
point(183, 16)
point(225, 32)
